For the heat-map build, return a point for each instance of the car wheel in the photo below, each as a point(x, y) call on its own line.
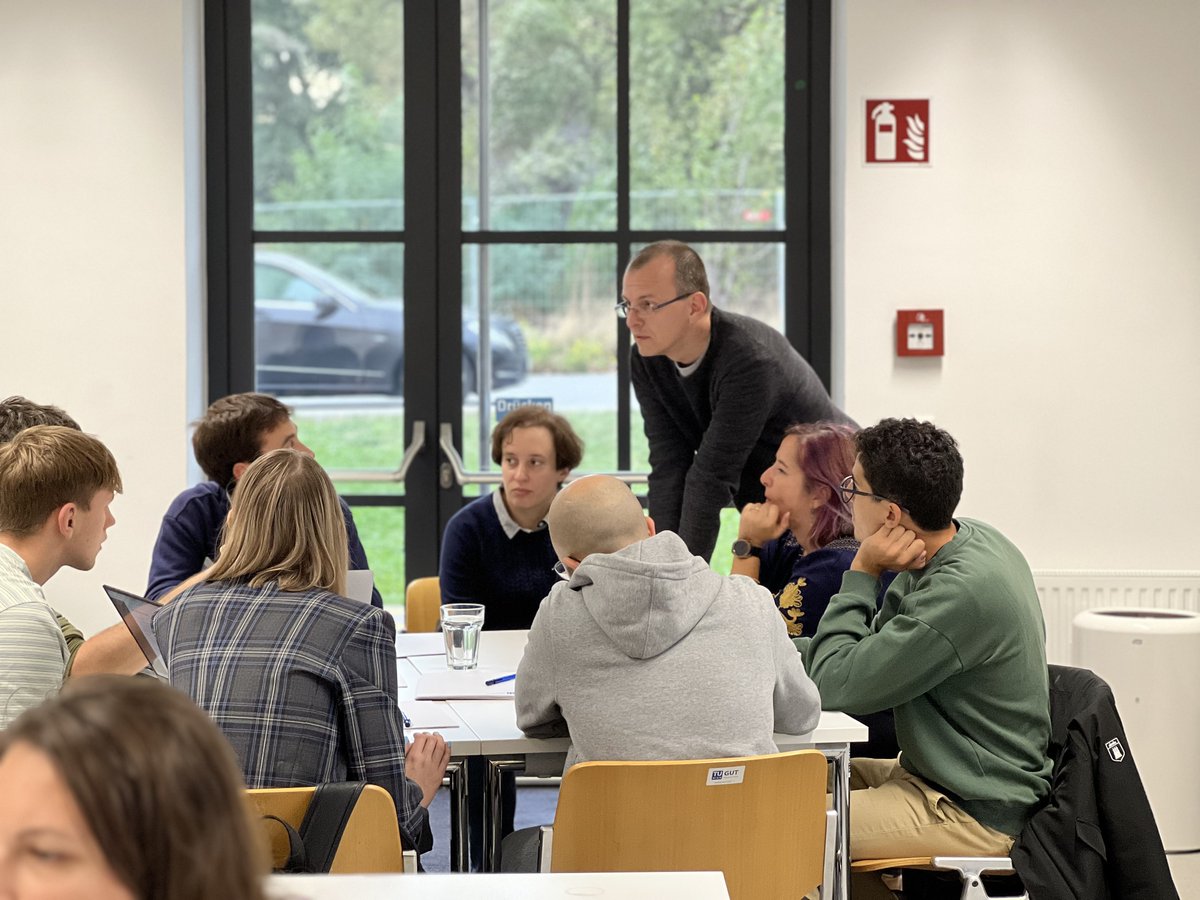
point(469, 383)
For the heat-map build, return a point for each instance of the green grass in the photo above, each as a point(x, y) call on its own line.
point(376, 441)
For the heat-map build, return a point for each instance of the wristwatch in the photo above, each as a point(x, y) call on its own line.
point(743, 549)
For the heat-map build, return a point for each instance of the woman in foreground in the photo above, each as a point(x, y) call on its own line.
point(119, 788)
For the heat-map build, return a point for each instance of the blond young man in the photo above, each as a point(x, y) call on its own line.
point(112, 650)
point(56, 485)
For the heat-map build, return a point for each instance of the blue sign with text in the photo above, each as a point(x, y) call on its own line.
point(505, 405)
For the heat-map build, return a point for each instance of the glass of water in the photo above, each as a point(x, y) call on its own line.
point(461, 624)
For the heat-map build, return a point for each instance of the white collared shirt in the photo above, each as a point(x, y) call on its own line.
point(507, 522)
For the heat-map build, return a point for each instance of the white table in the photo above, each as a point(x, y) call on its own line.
point(547, 886)
point(489, 730)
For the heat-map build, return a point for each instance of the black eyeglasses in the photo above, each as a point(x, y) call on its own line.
point(645, 308)
point(849, 490)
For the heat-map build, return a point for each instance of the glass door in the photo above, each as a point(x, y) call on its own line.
point(419, 212)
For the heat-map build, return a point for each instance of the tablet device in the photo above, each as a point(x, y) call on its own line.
point(138, 614)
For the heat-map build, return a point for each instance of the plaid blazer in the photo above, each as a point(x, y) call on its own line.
point(302, 684)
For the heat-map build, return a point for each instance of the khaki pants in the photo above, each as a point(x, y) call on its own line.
point(893, 813)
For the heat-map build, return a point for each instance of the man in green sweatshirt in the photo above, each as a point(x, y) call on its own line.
point(958, 650)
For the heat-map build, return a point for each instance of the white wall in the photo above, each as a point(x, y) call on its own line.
point(93, 262)
point(1059, 228)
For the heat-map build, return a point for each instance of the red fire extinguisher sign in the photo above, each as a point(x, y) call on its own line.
point(898, 132)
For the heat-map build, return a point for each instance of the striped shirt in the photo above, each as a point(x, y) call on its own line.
point(301, 683)
point(33, 653)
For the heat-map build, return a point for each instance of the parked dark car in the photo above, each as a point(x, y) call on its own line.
point(316, 333)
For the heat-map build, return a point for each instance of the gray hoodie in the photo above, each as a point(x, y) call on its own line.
point(648, 654)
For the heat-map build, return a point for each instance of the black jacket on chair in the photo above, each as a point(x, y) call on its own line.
point(1096, 837)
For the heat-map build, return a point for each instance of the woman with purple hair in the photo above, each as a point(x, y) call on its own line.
point(800, 540)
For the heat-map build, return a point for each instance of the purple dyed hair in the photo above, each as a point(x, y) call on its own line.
point(826, 456)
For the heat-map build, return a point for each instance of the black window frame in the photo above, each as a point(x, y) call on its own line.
point(433, 251)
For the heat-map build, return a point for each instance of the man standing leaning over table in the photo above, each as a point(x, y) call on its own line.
point(958, 650)
point(717, 391)
point(640, 616)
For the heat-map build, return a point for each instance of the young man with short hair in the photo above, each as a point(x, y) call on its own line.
point(234, 432)
point(112, 650)
point(958, 650)
point(56, 485)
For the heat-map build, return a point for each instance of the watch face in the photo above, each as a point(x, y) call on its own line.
point(741, 549)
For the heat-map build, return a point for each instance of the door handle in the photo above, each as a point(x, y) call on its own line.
point(415, 446)
point(454, 470)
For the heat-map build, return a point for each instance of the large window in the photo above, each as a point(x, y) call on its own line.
point(421, 210)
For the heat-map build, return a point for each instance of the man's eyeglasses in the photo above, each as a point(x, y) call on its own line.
point(645, 307)
point(849, 489)
point(561, 571)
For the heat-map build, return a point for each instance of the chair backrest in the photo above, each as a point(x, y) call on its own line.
point(422, 602)
point(370, 842)
point(758, 819)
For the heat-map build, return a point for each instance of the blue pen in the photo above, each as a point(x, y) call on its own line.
point(500, 680)
point(407, 720)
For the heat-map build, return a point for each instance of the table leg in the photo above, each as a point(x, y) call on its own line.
point(839, 757)
point(460, 856)
point(493, 816)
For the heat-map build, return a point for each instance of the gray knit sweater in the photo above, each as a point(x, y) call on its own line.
point(649, 654)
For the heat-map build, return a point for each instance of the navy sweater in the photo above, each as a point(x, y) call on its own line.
point(481, 564)
point(190, 531)
point(802, 583)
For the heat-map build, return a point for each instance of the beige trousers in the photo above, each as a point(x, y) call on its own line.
point(893, 813)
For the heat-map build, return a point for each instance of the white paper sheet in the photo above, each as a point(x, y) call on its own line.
point(424, 714)
point(421, 644)
point(464, 684)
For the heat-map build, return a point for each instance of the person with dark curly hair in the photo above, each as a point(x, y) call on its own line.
point(958, 650)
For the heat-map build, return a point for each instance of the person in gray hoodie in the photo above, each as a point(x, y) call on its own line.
point(645, 652)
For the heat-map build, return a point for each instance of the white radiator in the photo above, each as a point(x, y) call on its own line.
point(1065, 593)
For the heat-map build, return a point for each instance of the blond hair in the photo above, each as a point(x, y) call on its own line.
point(46, 467)
point(285, 525)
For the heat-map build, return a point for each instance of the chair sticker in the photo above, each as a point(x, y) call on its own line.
point(725, 776)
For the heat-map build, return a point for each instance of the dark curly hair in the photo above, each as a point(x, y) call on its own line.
point(17, 414)
point(915, 465)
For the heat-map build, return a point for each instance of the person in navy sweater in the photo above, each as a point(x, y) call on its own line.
point(798, 543)
point(496, 550)
point(235, 431)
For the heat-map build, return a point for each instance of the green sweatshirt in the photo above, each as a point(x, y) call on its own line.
point(959, 651)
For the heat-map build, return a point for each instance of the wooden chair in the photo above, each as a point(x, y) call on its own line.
point(370, 842)
point(969, 870)
point(422, 602)
point(761, 820)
